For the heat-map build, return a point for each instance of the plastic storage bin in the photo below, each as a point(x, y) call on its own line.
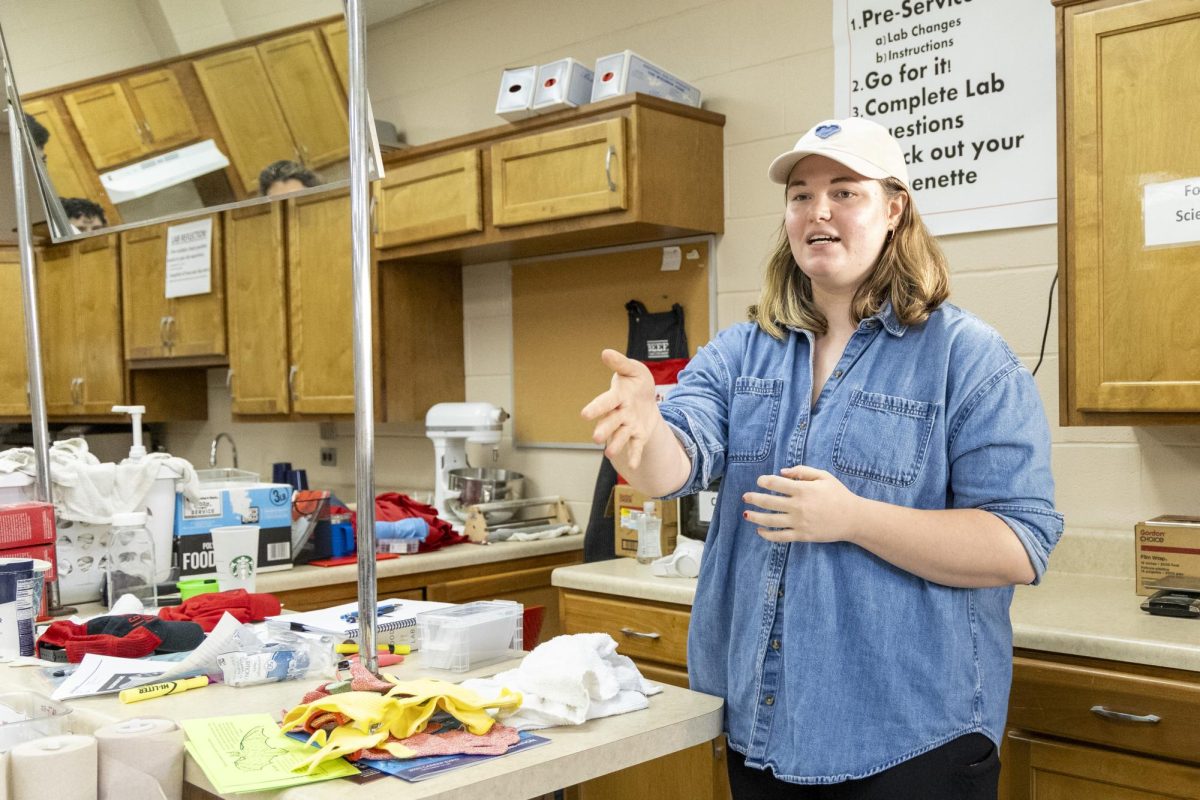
point(25, 716)
point(462, 637)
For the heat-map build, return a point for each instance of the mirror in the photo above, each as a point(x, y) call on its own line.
point(149, 110)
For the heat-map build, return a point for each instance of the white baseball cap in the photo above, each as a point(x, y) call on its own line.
point(860, 144)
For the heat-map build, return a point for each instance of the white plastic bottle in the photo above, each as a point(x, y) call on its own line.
point(649, 528)
point(131, 567)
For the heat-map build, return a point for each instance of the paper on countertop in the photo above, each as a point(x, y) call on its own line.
point(248, 753)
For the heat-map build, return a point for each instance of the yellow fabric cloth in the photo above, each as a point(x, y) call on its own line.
point(405, 710)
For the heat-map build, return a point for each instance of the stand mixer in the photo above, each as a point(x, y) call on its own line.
point(451, 426)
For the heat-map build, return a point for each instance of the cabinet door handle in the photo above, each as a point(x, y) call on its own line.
point(149, 131)
point(639, 634)
point(374, 218)
point(80, 400)
point(304, 150)
point(229, 378)
point(75, 391)
point(170, 332)
point(608, 157)
point(1149, 719)
point(292, 381)
point(162, 332)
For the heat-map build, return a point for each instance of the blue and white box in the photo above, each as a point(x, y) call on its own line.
point(562, 84)
point(626, 72)
point(267, 505)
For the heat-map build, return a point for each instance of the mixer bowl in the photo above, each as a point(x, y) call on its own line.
point(471, 485)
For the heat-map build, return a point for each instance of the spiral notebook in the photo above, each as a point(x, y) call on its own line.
point(395, 620)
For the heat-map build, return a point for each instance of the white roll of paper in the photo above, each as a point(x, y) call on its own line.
point(141, 759)
point(62, 767)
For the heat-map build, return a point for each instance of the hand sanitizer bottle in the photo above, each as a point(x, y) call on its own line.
point(649, 527)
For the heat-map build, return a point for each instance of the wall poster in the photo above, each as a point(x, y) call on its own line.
point(967, 88)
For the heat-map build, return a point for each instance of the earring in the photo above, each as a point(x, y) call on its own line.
point(891, 233)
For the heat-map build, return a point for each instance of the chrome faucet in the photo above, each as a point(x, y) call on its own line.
point(212, 454)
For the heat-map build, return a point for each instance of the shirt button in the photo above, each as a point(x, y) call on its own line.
point(776, 644)
point(803, 425)
point(769, 700)
point(837, 373)
point(781, 592)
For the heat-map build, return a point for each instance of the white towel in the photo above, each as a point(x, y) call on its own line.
point(569, 680)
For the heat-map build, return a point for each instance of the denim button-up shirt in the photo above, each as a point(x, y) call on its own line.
point(834, 663)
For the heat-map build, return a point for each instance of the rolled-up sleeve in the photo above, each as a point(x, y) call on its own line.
point(999, 454)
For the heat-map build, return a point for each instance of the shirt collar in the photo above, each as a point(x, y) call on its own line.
point(886, 317)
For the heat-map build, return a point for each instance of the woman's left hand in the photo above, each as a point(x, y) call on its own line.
point(808, 505)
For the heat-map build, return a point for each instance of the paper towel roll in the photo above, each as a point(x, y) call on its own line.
point(62, 767)
point(4, 776)
point(149, 746)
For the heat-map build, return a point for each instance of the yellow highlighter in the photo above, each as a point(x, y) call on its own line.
point(349, 648)
point(162, 689)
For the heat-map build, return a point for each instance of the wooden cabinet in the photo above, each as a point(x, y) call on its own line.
point(338, 43)
point(79, 308)
point(66, 163)
point(14, 373)
point(1126, 318)
point(158, 327)
point(654, 635)
point(162, 110)
point(1100, 729)
point(277, 100)
point(626, 170)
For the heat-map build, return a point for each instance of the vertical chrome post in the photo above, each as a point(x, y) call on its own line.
point(33, 338)
point(364, 380)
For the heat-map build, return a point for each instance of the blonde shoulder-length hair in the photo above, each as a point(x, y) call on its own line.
point(911, 271)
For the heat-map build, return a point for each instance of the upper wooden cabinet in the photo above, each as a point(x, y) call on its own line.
point(14, 374)
point(309, 95)
point(125, 120)
point(65, 161)
point(1126, 311)
point(337, 40)
point(159, 327)
point(79, 308)
point(626, 170)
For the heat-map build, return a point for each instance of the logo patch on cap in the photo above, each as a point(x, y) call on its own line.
point(825, 131)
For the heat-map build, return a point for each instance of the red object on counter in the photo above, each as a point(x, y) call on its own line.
point(207, 609)
point(393, 506)
point(341, 561)
point(26, 524)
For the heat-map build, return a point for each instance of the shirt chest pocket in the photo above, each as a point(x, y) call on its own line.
point(753, 415)
point(884, 438)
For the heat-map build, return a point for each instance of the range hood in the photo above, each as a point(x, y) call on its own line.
point(154, 174)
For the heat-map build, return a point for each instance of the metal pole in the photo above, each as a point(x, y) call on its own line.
point(33, 338)
point(364, 379)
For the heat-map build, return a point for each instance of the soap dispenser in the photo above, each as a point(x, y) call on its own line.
point(160, 500)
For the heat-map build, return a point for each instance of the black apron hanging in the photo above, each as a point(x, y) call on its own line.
point(652, 337)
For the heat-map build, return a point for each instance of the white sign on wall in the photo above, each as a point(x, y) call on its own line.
point(1171, 212)
point(189, 258)
point(967, 88)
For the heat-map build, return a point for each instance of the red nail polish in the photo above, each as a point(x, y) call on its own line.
point(745, 515)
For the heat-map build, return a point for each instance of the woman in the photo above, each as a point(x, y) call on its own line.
point(886, 481)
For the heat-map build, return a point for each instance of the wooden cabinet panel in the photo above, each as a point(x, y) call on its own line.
point(1053, 770)
point(337, 40)
point(67, 165)
point(309, 95)
point(98, 310)
point(642, 630)
point(244, 105)
point(561, 173)
point(14, 374)
point(1127, 323)
point(56, 321)
point(430, 199)
point(257, 309)
point(321, 304)
point(106, 122)
point(163, 112)
point(197, 326)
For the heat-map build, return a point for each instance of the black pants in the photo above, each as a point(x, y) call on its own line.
point(966, 768)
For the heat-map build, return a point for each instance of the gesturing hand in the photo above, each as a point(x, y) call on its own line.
point(808, 505)
point(626, 414)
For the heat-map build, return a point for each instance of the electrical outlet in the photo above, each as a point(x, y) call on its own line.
point(328, 456)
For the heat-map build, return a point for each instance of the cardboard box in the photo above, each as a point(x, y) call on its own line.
point(562, 84)
point(626, 72)
point(26, 524)
point(515, 100)
point(1165, 547)
point(44, 552)
point(267, 505)
point(627, 499)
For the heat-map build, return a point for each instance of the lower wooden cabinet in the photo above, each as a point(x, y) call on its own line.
point(654, 635)
point(1062, 770)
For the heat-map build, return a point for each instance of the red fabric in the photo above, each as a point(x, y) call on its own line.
point(341, 561)
point(392, 506)
point(207, 609)
point(77, 641)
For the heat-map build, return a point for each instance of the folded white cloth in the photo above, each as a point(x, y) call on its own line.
point(683, 563)
point(569, 680)
point(88, 490)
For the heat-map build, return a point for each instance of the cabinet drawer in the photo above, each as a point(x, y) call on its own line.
point(430, 199)
point(1083, 703)
point(651, 631)
point(558, 174)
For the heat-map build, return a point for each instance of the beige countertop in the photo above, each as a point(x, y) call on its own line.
point(1082, 615)
point(676, 719)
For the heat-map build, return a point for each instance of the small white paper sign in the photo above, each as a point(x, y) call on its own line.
point(189, 258)
point(1171, 212)
point(671, 258)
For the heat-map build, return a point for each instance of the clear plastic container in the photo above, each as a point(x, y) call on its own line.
point(131, 567)
point(462, 637)
point(25, 716)
point(649, 543)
